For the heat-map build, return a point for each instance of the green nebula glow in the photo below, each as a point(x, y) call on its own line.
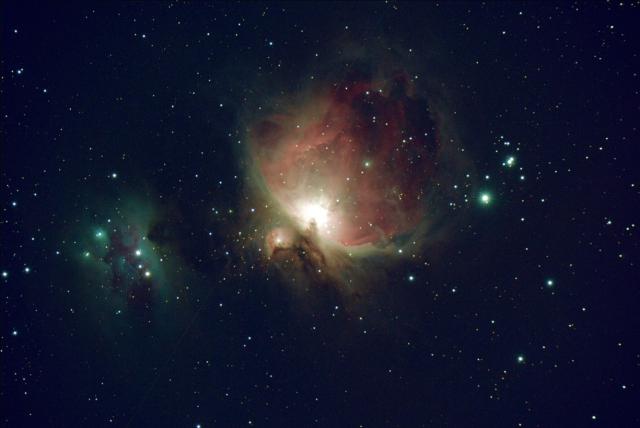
point(117, 262)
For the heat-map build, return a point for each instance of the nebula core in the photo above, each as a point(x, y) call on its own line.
point(350, 166)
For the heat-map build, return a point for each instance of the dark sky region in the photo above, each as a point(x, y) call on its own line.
point(366, 214)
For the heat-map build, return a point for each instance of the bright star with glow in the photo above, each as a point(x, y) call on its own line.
point(315, 213)
point(485, 198)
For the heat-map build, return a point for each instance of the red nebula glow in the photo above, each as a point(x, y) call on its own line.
point(353, 163)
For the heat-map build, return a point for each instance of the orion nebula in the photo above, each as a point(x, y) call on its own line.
point(348, 168)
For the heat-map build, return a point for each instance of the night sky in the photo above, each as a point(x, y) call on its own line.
point(320, 214)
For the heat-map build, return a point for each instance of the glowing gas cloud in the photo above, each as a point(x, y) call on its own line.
point(348, 168)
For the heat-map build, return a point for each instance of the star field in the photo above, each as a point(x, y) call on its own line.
point(320, 214)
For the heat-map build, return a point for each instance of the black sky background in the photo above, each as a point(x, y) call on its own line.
point(559, 81)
